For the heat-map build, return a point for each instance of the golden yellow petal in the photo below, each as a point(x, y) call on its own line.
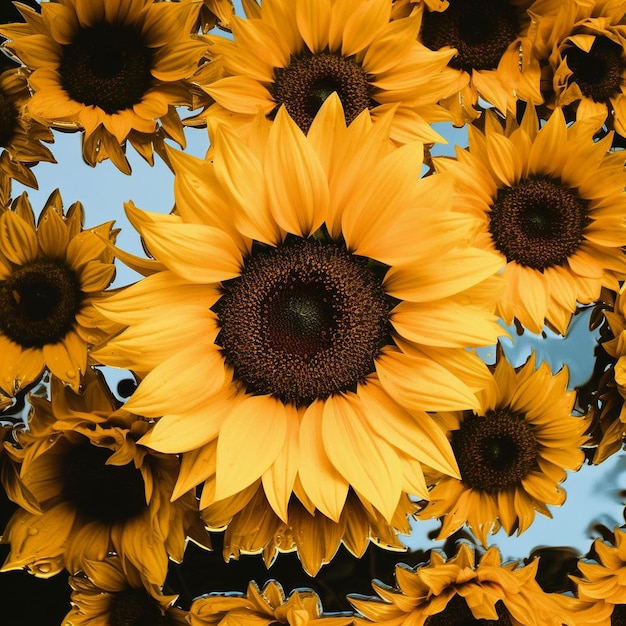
point(322, 482)
point(420, 384)
point(247, 446)
point(364, 458)
point(296, 185)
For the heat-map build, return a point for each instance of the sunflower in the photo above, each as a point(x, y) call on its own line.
point(601, 589)
point(297, 56)
point(459, 591)
point(512, 453)
point(609, 389)
point(551, 203)
point(493, 53)
point(264, 607)
point(109, 592)
point(306, 303)
point(252, 526)
point(51, 273)
point(20, 136)
point(111, 68)
point(98, 490)
point(584, 48)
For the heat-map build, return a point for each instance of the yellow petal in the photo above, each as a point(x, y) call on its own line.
point(249, 442)
point(364, 458)
point(323, 484)
point(296, 183)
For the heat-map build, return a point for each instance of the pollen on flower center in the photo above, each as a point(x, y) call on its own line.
point(495, 451)
point(39, 303)
point(538, 222)
point(457, 613)
point(101, 492)
point(309, 79)
point(108, 66)
point(598, 72)
point(8, 121)
point(480, 30)
point(303, 321)
point(134, 607)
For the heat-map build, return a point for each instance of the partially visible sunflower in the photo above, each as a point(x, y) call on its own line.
point(583, 47)
point(493, 52)
point(112, 593)
point(297, 53)
point(460, 591)
point(602, 587)
point(252, 526)
point(551, 204)
point(264, 607)
point(51, 274)
point(99, 491)
point(607, 397)
point(20, 135)
point(112, 68)
point(11, 487)
point(512, 453)
point(321, 314)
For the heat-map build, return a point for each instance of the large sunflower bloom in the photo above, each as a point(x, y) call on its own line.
point(512, 454)
point(110, 592)
point(110, 67)
point(314, 308)
point(493, 52)
point(51, 273)
point(461, 591)
point(20, 136)
point(551, 203)
point(252, 526)
point(98, 490)
point(297, 53)
point(264, 607)
point(584, 47)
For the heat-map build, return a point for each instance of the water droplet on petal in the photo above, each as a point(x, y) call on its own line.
point(70, 374)
point(33, 531)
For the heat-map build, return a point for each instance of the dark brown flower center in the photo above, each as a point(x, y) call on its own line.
point(303, 321)
point(598, 72)
point(39, 303)
point(101, 492)
point(538, 222)
point(135, 607)
point(618, 617)
point(8, 121)
point(309, 79)
point(108, 66)
point(457, 613)
point(495, 451)
point(480, 30)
